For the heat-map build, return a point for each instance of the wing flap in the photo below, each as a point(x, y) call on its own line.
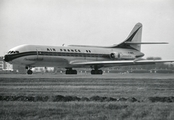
point(122, 62)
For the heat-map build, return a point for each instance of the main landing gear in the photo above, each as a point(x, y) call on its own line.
point(71, 71)
point(29, 71)
point(96, 71)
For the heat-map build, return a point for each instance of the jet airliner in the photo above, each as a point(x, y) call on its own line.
point(70, 57)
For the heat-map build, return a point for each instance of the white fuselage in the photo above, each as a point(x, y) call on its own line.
point(61, 56)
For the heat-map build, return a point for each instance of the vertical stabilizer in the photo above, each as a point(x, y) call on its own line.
point(134, 37)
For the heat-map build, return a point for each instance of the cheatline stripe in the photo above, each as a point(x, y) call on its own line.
point(43, 53)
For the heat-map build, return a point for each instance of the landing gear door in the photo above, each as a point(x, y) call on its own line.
point(39, 55)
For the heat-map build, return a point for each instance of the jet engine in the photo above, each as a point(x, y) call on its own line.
point(115, 55)
point(121, 56)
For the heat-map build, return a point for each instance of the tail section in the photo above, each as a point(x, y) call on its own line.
point(133, 41)
point(135, 35)
point(133, 38)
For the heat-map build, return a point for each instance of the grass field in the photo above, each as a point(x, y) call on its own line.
point(142, 87)
point(86, 111)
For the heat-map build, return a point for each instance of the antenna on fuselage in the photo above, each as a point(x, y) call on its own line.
point(63, 44)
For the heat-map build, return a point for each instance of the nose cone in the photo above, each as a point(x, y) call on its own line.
point(7, 58)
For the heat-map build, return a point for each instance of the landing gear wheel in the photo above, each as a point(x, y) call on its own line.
point(71, 71)
point(29, 72)
point(95, 72)
point(100, 72)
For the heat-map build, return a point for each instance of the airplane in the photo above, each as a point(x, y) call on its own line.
point(69, 57)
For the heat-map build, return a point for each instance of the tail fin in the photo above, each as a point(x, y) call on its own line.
point(135, 33)
point(133, 41)
point(134, 37)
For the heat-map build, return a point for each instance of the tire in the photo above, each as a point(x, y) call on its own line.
point(29, 72)
point(96, 72)
point(71, 72)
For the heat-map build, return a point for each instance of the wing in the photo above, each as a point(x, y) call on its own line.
point(118, 62)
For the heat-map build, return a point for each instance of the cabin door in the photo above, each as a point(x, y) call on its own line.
point(39, 55)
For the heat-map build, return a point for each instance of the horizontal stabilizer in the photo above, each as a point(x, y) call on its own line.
point(145, 42)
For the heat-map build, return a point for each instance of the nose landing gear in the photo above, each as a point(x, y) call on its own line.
point(29, 71)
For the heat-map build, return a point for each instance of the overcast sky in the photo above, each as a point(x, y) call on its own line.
point(86, 22)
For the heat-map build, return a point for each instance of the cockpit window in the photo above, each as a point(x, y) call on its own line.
point(13, 52)
point(17, 52)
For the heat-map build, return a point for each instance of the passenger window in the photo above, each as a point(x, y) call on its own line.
point(64, 49)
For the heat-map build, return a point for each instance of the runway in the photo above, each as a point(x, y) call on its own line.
point(83, 75)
